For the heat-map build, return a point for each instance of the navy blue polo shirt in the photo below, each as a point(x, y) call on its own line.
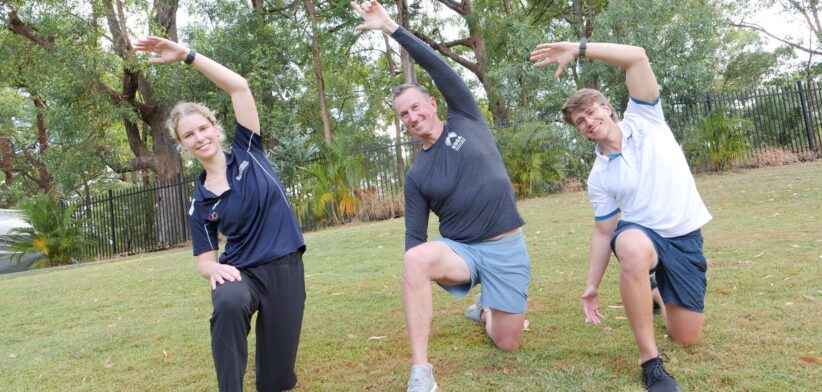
point(254, 214)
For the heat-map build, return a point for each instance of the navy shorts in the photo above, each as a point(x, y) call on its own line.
point(502, 267)
point(680, 271)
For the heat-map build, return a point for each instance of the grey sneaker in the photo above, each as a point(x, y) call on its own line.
point(422, 379)
point(474, 312)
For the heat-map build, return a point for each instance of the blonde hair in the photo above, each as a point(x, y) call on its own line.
point(583, 99)
point(182, 109)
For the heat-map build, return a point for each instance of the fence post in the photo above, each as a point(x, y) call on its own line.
point(806, 115)
point(180, 184)
point(111, 218)
point(708, 103)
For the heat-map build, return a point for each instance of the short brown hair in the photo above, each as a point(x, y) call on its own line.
point(583, 99)
point(406, 86)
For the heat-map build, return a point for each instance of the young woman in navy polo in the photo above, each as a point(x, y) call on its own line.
point(238, 194)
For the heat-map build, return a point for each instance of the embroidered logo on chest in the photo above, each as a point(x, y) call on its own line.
point(454, 141)
point(243, 166)
point(213, 215)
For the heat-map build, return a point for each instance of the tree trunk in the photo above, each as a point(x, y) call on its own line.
point(44, 178)
point(8, 166)
point(409, 74)
point(397, 126)
point(476, 43)
point(318, 70)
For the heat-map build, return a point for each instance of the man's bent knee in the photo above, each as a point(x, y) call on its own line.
point(506, 329)
point(508, 343)
point(683, 325)
point(418, 260)
point(635, 252)
point(685, 338)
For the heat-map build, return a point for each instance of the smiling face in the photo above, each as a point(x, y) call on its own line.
point(199, 136)
point(589, 111)
point(195, 129)
point(418, 112)
point(593, 122)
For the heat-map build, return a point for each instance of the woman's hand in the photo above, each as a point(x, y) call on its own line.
point(168, 51)
point(220, 273)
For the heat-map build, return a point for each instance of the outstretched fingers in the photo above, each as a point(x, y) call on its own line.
point(373, 14)
point(551, 53)
point(357, 8)
point(593, 316)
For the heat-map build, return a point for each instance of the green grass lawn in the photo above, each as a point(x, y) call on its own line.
point(141, 323)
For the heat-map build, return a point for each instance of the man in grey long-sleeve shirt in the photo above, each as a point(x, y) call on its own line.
point(460, 176)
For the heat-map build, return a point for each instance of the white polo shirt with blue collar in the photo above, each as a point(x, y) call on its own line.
point(254, 213)
point(649, 182)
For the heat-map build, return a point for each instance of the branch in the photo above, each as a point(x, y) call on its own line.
point(114, 27)
point(766, 32)
point(467, 42)
point(138, 163)
point(457, 6)
point(21, 28)
point(447, 52)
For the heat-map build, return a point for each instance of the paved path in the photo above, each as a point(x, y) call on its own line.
point(10, 219)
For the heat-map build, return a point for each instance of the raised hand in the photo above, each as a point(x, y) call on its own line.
point(374, 16)
point(560, 53)
point(168, 51)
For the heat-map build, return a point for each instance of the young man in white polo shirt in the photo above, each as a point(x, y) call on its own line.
point(641, 174)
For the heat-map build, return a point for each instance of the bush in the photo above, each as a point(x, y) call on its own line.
point(718, 142)
point(770, 156)
point(52, 232)
point(330, 184)
point(373, 207)
point(540, 157)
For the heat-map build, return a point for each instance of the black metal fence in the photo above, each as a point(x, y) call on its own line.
point(384, 172)
point(788, 117)
point(130, 221)
point(147, 219)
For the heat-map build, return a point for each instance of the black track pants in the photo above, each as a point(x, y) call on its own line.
point(276, 291)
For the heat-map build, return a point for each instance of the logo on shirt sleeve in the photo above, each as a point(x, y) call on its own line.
point(454, 141)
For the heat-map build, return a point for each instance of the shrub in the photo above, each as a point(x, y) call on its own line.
point(373, 207)
point(770, 156)
point(51, 232)
point(538, 156)
point(718, 142)
point(331, 182)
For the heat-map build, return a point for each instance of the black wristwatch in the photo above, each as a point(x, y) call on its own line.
point(190, 56)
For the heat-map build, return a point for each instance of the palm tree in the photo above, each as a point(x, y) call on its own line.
point(332, 182)
point(51, 232)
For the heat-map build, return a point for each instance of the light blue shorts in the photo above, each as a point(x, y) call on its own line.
point(502, 267)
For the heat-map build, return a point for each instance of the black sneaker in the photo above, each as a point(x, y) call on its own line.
point(656, 378)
